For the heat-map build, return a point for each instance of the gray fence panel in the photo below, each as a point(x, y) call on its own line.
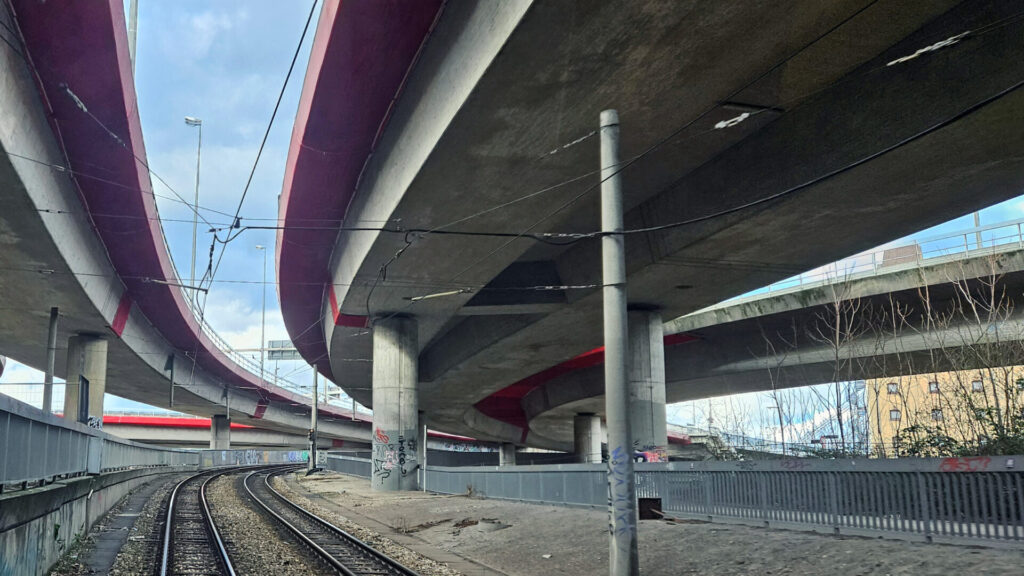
point(971, 499)
point(349, 465)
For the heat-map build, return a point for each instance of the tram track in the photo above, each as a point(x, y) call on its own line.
point(340, 550)
point(191, 542)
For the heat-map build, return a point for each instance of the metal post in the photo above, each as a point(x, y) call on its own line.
point(263, 322)
point(169, 365)
point(313, 416)
point(977, 224)
point(623, 557)
point(195, 207)
point(51, 361)
point(133, 30)
point(424, 465)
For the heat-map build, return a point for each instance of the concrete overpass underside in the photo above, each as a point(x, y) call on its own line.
point(788, 340)
point(79, 229)
point(841, 152)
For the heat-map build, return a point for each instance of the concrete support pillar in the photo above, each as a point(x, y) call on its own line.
point(220, 432)
point(586, 435)
point(87, 357)
point(645, 367)
point(507, 454)
point(395, 404)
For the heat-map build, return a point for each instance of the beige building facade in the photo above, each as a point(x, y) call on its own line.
point(968, 407)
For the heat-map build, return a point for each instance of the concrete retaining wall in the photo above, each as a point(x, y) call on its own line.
point(38, 525)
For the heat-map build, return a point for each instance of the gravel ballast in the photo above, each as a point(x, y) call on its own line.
point(408, 558)
point(255, 545)
point(141, 552)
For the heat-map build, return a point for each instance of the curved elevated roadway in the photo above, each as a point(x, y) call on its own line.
point(471, 105)
point(79, 227)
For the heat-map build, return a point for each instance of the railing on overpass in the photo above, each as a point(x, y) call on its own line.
point(979, 499)
point(972, 242)
point(37, 448)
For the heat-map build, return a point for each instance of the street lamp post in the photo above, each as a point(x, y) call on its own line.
point(263, 323)
point(192, 121)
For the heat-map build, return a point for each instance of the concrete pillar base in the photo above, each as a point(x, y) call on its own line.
point(87, 358)
point(507, 454)
point(586, 429)
point(220, 432)
point(395, 405)
point(645, 372)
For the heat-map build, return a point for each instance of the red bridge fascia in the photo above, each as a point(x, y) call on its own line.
point(506, 405)
point(361, 56)
point(181, 422)
point(82, 47)
point(164, 422)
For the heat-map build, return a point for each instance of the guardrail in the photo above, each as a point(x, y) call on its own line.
point(349, 465)
point(36, 447)
point(976, 499)
point(978, 241)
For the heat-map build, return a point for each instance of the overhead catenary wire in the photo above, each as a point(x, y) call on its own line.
point(213, 268)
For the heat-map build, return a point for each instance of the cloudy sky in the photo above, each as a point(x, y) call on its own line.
point(225, 62)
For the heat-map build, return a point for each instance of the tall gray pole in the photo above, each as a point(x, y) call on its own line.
point(623, 556)
point(51, 361)
point(313, 415)
point(133, 30)
point(977, 224)
point(191, 121)
point(263, 323)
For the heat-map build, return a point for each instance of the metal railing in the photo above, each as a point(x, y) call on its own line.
point(35, 446)
point(349, 465)
point(994, 238)
point(976, 499)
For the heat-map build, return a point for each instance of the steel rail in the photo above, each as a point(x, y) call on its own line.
point(212, 532)
point(339, 536)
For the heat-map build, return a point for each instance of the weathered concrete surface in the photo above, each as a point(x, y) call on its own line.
point(587, 437)
point(87, 358)
point(646, 376)
point(552, 68)
point(220, 432)
point(396, 420)
point(37, 525)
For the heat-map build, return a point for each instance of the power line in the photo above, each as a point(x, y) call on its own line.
point(212, 270)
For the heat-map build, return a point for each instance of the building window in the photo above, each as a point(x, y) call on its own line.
point(893, 388)
point(933, 387)
point(976, 386)
point(937, 414)
point(894, 415)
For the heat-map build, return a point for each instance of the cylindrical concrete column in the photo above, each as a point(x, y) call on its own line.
point(87, 357)
point(586, 435)
point(507, 454)
point(395, 404)
point(220, 432)
point(645, 367)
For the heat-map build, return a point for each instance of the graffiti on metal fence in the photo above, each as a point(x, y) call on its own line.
point(972, 464)
point(794, 464)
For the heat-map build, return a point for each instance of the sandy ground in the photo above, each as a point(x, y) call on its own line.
point(526, 539)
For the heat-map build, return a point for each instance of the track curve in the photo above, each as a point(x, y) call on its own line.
point(341, 550)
